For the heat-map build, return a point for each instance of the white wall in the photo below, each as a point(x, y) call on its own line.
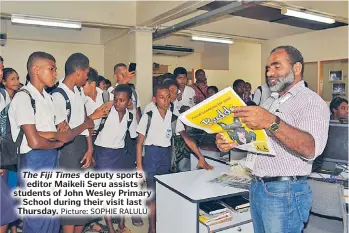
point(119, 50)
point(327, 44)
point(16, 53)
point(192, 61)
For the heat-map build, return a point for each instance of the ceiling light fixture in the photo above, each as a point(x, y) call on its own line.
point(44, 21)
point(305, 15)
point(210, 39)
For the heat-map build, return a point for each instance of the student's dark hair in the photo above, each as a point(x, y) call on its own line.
point(27, 79)
point(251, 103)
point(100, 79)
point(75, 62)
point(124, 88)
point(38, 55)
point(336, 102)
point(293, 53)
point(237, 82)
point(1, 59)
point(107, 81)
point(93, 76)
point(168, 76)
point(119, 65)
point(214, 88)
point(7, 72)
point(247, 83)
point(199, 71)
point(159, 87)
point(171, 82)
point(178, 71)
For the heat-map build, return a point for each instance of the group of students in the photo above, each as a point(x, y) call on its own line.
point(79, 125)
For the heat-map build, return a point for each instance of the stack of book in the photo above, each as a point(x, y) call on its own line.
point(236, 203)
point(214, 212)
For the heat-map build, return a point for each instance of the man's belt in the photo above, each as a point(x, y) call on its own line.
point(280, 178)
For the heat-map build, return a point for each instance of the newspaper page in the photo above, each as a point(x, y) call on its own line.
point(215, 115)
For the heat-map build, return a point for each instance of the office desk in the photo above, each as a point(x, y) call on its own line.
point(178, 197)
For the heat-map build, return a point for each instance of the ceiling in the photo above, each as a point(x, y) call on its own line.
point(254, 23)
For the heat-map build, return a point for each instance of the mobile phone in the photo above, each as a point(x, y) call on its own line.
point(132, 67)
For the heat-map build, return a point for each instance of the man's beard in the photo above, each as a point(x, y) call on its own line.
point(282, 83)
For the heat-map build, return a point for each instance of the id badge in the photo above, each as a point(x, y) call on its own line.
point(168, 133)
point(250, 160)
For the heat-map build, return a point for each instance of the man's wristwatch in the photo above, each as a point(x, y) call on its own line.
point(275, 126)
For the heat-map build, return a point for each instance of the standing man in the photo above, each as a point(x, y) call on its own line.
point(200, 86)
point(262, 93)
point(296, 120)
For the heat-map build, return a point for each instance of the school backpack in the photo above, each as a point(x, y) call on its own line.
point(128, 146)
point(10, 150)
point(175, 157)
point(3, 93)
point(67, 101)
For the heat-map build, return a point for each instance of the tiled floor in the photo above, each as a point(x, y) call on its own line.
point(134, 229)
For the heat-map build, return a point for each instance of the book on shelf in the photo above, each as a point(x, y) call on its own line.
point(212, 207)
point(236, 202)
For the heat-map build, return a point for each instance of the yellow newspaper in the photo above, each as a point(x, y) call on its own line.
point(215, 115)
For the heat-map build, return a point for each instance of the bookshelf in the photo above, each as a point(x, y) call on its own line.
point(178, 197)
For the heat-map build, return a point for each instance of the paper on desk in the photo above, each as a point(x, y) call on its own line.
point(215, 115)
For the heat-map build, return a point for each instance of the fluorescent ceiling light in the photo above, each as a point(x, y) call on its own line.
point(304, 15)
point(210, 39)
point(43, 21)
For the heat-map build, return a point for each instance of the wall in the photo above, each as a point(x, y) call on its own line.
point(16, 53)
point(116, 51)
point(315, 46)
point(245, 62)
point(192, 61)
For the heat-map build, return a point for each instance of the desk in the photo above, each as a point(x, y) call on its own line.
point(322, 175)
point(177, 202)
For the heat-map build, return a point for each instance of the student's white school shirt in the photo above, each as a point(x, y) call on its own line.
point(114, 132)
point(160, 131)
point(4, 102)
point(151, 106)
point(133, 111)
point(187, 98)
point(91, 105)
point(77, 101)
point(21, 113)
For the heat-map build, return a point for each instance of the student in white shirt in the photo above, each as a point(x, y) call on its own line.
point(41, 139)
point(173, 88)
point(157, 143)
point(123, 76)
point(186, 93)
point(112, 152)
point(94, 97)
point(77, 154)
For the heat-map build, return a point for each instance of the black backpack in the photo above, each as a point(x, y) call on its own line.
point(175, 158)
point(67, 101)
point(10, 150)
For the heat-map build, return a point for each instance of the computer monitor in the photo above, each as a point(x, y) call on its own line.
point(336, 150)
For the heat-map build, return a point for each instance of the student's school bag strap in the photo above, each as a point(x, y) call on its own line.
point(150, 115)
point(130, 119)
point(134, 92)
point(67, 101)
point(3, 93)
point(260, 89)
point(21, 132)
point(105, 96)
